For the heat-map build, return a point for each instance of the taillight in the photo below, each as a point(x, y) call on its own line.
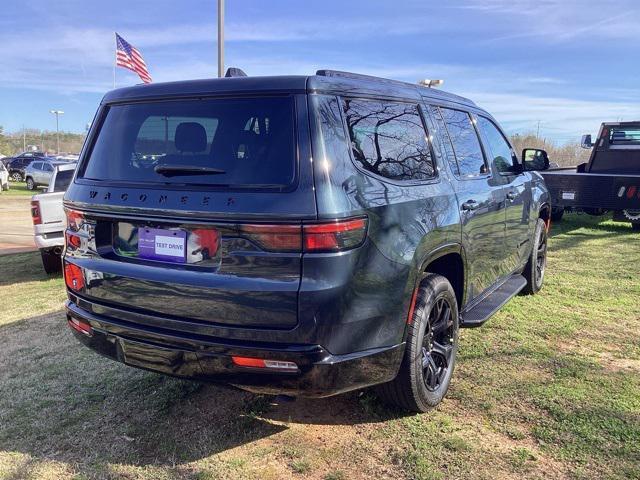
point(280, 238)
point(74, 219)
point(35, 212)
point(334, 236)
point(72, 240)
point(331, 236)
point(73, 276)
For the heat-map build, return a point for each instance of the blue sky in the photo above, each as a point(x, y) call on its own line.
point(567, 63)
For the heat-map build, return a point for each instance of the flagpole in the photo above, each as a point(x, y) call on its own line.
point(220, 38)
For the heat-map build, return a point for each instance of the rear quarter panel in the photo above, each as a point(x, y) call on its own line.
point(407, 223)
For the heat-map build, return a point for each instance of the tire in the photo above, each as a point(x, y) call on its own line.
point(16, 177)
point(536, 266)
point(635, 227)
point(31, 185)
point(51, 262)
point(557, 214)
point(428, 364)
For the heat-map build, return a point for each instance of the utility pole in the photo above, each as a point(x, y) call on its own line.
point(538, 132)
point(24, 139)
point(220, 38)
point(57, 113)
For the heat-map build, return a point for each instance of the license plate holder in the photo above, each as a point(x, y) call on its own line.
point(162, 244)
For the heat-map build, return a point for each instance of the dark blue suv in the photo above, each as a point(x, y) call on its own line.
point(299, 235)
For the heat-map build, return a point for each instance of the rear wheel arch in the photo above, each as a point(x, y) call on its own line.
point(449, 262)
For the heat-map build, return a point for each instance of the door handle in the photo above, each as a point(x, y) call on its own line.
point(470, 205)
point(511, 196)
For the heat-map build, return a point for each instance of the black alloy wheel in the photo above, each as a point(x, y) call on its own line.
point(437, 345)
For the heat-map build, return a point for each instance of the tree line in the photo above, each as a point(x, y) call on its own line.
point(45, 140)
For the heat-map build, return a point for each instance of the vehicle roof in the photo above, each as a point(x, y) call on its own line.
point(326, 82)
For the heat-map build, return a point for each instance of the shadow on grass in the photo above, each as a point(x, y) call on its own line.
point(63, 402)
point(22, 267)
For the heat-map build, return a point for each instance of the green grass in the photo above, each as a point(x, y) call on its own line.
point(549, 388)
point(19, 189)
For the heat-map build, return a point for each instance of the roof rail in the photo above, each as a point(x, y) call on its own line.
point(358, 76)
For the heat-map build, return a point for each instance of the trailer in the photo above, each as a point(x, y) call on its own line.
point(608, 182)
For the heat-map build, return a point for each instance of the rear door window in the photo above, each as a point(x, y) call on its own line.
point(389, 139)
point(242, 142)
point(465, 142)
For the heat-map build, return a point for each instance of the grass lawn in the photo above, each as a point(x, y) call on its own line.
point(549, 388)
point(19, 189)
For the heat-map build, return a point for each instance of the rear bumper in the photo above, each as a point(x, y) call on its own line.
point(49, 240)
point(198, 357)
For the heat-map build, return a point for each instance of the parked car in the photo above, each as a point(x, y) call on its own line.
point(4, 177)
point(48, 217)
point(298, 235)
point(17, 164)
point(39, 172)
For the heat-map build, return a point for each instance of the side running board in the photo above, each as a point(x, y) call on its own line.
point(484, 310)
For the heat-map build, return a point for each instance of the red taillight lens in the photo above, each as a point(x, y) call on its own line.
point(73, 276)
point(35, 212)
point(319, 237)
point(334, 236)
point(74, 219)
point(280, 238)
point(72, 240)
point(80, 326)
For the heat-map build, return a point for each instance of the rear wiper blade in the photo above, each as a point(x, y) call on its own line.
point(173, 170)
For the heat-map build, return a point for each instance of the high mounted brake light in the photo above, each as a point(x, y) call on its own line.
point(330, 236)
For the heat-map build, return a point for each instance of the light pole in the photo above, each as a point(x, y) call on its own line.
point(57, 113)
point(220, 38)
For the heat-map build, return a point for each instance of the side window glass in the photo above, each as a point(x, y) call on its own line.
point(47, 167)
point(465, 142)
point(445, 140)
point(37, 165)
point(389, 139)
point(502, 153)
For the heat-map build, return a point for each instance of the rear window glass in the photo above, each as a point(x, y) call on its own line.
point(218, 142)
point(389, 139)
point(624, 136)
point(63, 179)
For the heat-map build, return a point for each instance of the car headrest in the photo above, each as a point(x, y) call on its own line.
point(190, 137)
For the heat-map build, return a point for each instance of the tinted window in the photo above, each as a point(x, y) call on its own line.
point(241, 141)
point(63, 179)
point(465, 142)
point(47, 167)
point(389, 139)
point(624, 136)
point(503, 158)
point(37, 165)
point(446, 142)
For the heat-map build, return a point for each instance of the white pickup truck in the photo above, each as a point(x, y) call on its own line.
point(48, 217)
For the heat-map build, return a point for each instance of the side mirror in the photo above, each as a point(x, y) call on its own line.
point(586, 141)
point(534, 159)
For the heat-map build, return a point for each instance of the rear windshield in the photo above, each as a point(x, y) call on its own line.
point(624, 136)
point(63, 179)
point(221, 142)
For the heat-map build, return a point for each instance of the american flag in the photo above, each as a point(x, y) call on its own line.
point(128, 56)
